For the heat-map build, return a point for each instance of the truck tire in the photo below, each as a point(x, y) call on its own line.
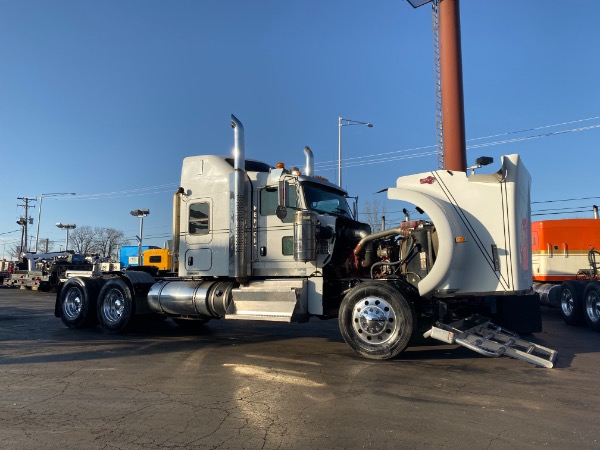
point(570, 295)
point(591, 305)
point(77, 301)
point(116, 305)
point(376, 320)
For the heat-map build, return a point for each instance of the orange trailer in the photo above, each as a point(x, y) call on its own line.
point(560, 247)
point(564, 266)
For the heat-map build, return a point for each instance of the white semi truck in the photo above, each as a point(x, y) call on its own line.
point(255, 242)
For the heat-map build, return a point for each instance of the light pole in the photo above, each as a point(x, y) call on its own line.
point(51, 194)
point(141, 213)
point(67, 226)
point(341, 124)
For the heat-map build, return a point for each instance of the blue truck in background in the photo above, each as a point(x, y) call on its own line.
point(128, 255)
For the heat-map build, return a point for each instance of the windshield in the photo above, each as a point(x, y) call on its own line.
point(323, 199)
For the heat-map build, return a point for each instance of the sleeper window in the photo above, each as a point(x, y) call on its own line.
point(199, 214)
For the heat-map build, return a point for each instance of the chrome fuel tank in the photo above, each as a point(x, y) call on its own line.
point(190, 298)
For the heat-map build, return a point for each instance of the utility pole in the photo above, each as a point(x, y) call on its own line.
point(27, 220)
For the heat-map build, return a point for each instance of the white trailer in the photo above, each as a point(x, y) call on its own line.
point(254, 242)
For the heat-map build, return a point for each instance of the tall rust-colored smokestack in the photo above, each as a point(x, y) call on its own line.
point(453, 112)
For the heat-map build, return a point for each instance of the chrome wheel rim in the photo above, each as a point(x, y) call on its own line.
point(73, 303)
point(374, 320)
point(567, 302)
point(113, 305)
point(592, 306)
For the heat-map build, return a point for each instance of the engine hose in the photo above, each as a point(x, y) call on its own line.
point(383, 263)
point(399, 262)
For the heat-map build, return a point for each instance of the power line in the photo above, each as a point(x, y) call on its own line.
point(470, 147)
point(565, 200)
point(535, 128)
point(126, 192)
point(535, 136)
point(568, 209)
point(9, 232)
point(565, 212)
point(573, 130)
point(355, 161)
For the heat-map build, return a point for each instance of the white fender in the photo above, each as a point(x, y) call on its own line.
point(483, 226)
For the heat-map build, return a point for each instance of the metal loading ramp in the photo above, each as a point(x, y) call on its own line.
point(480, 335)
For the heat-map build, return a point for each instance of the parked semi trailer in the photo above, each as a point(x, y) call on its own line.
point(44, 271)
point(566, 268)
point(255, 242)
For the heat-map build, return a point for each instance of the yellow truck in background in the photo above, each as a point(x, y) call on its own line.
point(162, 258)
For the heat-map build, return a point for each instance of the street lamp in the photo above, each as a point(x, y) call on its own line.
point(51, 194)
point(67, 226)
point(341, 124)
point(141, 213)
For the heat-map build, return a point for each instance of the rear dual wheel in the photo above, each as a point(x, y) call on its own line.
point(376, 320)
point(570, 295)
point(77, 301)
point(116, 305)
point(591, 305)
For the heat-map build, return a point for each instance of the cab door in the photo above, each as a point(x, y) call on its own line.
point(274, 249)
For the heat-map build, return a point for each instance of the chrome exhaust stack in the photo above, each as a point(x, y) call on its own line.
point(310, 162)
point(239, 194)
point(176, 226)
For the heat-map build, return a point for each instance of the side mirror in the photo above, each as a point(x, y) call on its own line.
point(484, 161)
point(282, 199)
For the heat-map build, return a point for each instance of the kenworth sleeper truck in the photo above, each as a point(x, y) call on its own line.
point(254, 242)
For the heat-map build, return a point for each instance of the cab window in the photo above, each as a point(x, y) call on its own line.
point(268, 202)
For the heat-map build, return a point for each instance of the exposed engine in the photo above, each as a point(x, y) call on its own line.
point(407, 252)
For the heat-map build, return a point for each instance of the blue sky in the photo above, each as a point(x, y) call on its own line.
point(105, 98)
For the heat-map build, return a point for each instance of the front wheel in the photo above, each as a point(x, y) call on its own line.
point(591, 305)
point(376, 320)
point(116, 306)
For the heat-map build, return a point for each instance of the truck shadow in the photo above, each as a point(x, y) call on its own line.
point(33, 324)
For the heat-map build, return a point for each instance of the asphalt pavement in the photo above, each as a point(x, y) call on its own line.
point(252, 385)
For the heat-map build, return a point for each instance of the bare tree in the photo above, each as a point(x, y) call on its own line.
point(14, 251)
point(373, 214)
point(107, 240)
point(46, 245)
point(81, 240)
